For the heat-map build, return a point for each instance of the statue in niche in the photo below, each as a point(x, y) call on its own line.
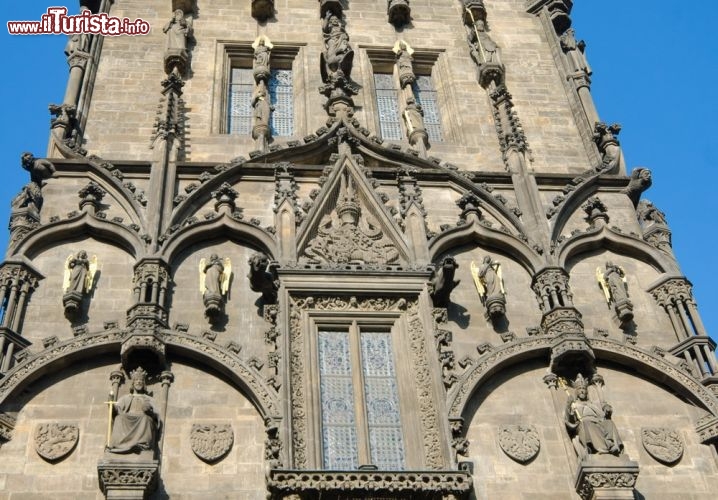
point(613, 284)
point(590, 423)
point(137, 421)
point(214, 278)
point(575, 51)
point(79, 273)
point(178, 30)
point(483, 49)
point(77, 281)
point(261, 280)
point(347, 237)
point(442, 282)
point(490, 285)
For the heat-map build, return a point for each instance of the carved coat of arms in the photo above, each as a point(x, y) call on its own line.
point(55, 441)
point(210, 442)
point(665, 445)
point(519, 442)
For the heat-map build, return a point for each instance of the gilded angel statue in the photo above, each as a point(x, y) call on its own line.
point(214, 279)
point(490, 285)
point(614, 286)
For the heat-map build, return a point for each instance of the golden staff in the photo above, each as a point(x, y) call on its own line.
point(109, 404)
point(478, 39)
point(564, 386)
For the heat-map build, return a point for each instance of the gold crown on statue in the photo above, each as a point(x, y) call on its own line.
point(580, 382)
point(138, 374)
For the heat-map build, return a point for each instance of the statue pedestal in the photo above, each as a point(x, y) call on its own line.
point(127, 479)
point(606, 477)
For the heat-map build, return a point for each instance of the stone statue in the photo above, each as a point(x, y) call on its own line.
point(261, 280)
point(178, 30)
point(337, 58)
point(613, 283)
point(414, 120)
point(483, 48)
point(595, 432)
point(262, 109)
point(30, 197)
point(605, 137)
point(404, 63)
point(262, 51)
point(641, 179)
point(214, 275)
point(575, 51)
point(137, 418)
point(442, 282)
point(79, 273)
point(490, 285)
point(649, 214)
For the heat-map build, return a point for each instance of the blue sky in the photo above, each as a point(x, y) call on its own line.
point(654, 67)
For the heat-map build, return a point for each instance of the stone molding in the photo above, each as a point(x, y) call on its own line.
point(434, 485)
point(606, 477)
point(127, 480)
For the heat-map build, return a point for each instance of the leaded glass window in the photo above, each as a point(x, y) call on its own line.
point(281, 94)
point(239, 113)
point(387, 103)
point(426, 97)
point(360, 408)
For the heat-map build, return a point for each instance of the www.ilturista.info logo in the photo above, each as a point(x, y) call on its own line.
point(56, 21)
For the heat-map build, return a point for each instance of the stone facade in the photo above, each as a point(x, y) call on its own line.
point(178, 301)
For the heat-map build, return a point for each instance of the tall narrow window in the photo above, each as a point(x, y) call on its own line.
point(239, 114)
point(387, 103)
point(281, 95)
point(425, 94)
point(361, 422)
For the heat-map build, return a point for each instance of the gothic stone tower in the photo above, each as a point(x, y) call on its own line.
point(345, 249)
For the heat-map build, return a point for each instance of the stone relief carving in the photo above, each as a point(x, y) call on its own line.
point(210, 442)
point(261, 280)
point(490, 286)
point(590, 423)
point(614, 286)
point(665, 445)
point(215, 275)
point(348, 236)
point(136, 425)
point(78, 279)
point(443, 282)
point(55, 441)
point(519, 442)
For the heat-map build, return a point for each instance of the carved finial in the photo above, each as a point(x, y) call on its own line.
point(91, 197)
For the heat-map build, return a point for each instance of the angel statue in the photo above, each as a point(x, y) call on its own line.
point(613, 284)
point(490, 285)
point(214, 277)
point(77, 280)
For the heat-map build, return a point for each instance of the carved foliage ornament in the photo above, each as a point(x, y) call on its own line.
point(55, 441)
point(665, 445)
point(210, 442)
point(519, 442)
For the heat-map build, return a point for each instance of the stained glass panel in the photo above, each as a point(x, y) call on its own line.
point(387, 103)
point(336, 388)
point(382, 401)
point(239, 113)
point(281, 94)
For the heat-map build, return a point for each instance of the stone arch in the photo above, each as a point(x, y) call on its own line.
point(56, 357)
point(111, 232)
point(631, 358)
point(619, 243)
point(477, 234)
point(223, 226)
